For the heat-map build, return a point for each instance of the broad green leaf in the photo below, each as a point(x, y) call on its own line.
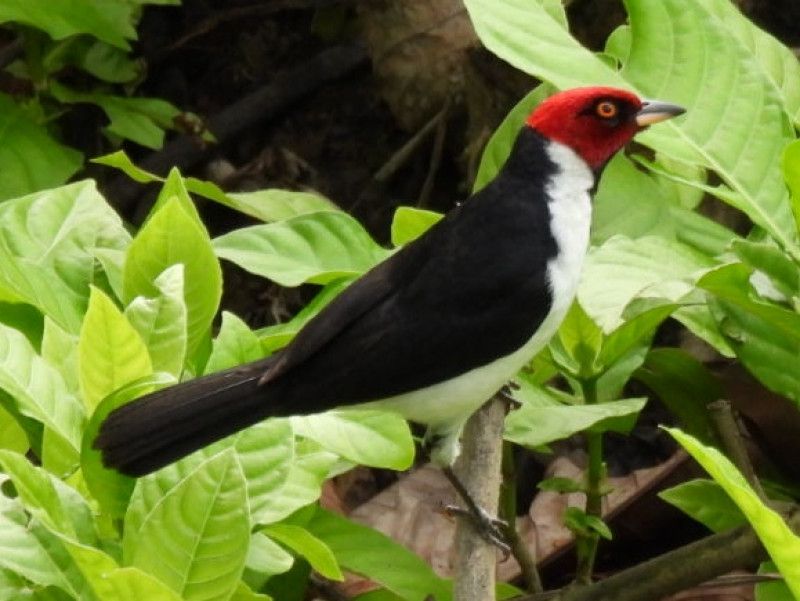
point(141, 120)
point(245, 593)
point(24, 143)
point(629, 202)
point(780, 542)
point(534, 426)
point(278, 205)
point(57, 505)
point(671, 62)
point(706, 502)
point(302, 486)
point(580, 522)
point(367, 552)
point(105, 20)
point(111, 488)
point(234, 345)
point(316, 248)
point(266, 556)
point(39, 391)
point(302, 542)
point(772, 591)
point(635, 332)
point(578, 342)
point(161, 321)
point(623, 269)
point(499, 145)
point(765, 336)
point(111, 353)
point(374, 438)
point(22, 553)
point(195, 539)
point(790, 164)
point(685, 386)
point(60, 349)
point(772, 261)
point(174, 186)
point(12, 435)
point(48, 242)
point(120, 160)
point(264, 451)
point(409, 223)
point(172, 236)
point(108, 581)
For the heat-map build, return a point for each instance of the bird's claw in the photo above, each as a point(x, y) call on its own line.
point(491, 528)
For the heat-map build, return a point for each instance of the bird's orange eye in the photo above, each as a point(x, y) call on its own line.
point(607, 110)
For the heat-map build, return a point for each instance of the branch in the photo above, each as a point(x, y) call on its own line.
point(478, 468)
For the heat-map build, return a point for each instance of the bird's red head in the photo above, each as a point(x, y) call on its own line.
point(598, 121)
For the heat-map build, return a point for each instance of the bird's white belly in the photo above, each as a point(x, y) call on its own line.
point(448, 404)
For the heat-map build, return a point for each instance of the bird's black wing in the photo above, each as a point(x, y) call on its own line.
point(471, 290)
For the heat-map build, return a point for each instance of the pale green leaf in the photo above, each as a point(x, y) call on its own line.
point(302, 542)
point(374, 438)
point(367, 552)
point(780, 542)
point(195, 538)
point(172, 236)
point(706, 502)
point(278, 205)
point(316, 248)
point(111, 353)
point(48, 242)
point(234, 345)
point(534, 426)
point(409, 223)
point(60, 349)
point(161, 321)
point(267, 557)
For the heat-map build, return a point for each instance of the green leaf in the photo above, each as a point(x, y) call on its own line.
point(780, 542)
point(12, 435)
point(367, 552)
point(301, 541)
point(685, 386)
point(60, 350)
point(535, 426)
point(234, 345)
point(120, 160)
point(24, 143)
point(107, 21)
point(622, 270)
point(48, 242)
point(562, 485)
point(275, 205)
point(580, 522)
point(635, 332)
point(499, 145)
point(161, 321)
point(772, 261)
point(195, 537)
point(766, 337)
point(772, 591)
point(316, 248)
point(718, 128)
point(578, 342)
point(706, 502)
point(373, 438)
point(109, 581)
point(410, 223)
point(790, 164)
point(111, 353)
point(172, 236)
point(53, 502)
point(141, 120)
point(39, 391)
point(267, 557)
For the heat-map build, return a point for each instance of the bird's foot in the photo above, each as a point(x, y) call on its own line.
point(491, 528)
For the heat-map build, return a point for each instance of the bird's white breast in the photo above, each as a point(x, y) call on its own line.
point(446, 406)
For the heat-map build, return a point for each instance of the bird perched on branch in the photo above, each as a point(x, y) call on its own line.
point(440, 326)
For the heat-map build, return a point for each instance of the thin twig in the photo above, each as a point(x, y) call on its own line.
point(436, 157)
point(731, 437)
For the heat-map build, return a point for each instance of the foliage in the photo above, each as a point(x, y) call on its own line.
point(69, 38)
point(102, 317)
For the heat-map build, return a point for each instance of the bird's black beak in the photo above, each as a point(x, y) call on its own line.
point(654, 111)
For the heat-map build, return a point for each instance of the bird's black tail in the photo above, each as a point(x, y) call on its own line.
point(164, 426)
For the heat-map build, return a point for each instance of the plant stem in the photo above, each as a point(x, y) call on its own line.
point(508, 512)
point(586, 544)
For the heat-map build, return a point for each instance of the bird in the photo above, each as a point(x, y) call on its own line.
point(436, 329)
